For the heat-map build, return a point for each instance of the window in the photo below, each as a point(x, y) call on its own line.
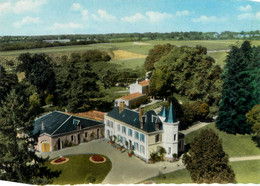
point(130, 132)
point(108, 123)
point(118, 127)
point(123, 129)
point(169, 151)
point(136, 135)
point(86, 135)
point(142, 137)
point(174, 137)
point(118, 138)
point(111, 124)
point(136, 147)
point(157, 138)
point(72, 138)
point(142, 150)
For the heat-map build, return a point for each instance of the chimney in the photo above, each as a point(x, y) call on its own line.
point(43, 127)
point(141, 113)
point(121, 106)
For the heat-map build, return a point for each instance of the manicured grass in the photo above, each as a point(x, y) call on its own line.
point(220, 57)
point(234, 145)
point(247, 171)
point(154, 106)
point(79, 170)
point(177, 177)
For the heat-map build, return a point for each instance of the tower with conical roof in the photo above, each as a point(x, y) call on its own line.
point(170, 135)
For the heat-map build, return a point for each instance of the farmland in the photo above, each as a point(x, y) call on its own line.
point(130, 54)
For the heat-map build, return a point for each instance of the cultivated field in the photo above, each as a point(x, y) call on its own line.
point(131, 54)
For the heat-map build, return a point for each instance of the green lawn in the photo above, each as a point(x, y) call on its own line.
point(247, 171)
point(177, 177)
point(220, 57)
point(79, 170)
point(234, 145)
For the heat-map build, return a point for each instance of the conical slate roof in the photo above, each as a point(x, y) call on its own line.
point(163, 112)
point(171, 118)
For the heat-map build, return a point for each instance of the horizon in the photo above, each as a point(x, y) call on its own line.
point(79, 17)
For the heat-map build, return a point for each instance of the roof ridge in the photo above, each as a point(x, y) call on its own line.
point(61, 125)
point(85, 118)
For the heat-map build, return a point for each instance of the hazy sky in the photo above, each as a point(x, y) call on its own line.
point(38, 17)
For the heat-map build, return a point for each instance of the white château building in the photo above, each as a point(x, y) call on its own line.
point(145, 132)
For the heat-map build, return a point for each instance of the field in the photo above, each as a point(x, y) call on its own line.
point(79, 170)
point(234, 145)
point(245, 171)
point(138, 50)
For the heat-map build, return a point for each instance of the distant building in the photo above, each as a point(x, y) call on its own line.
point(144, 132)
point(57, 129)
point(137, 91)
point(57, 41)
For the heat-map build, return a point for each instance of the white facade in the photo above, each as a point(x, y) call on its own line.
point(170, 138)
point(135, 87)
point(127, 136)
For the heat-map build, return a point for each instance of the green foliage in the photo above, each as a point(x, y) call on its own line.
point(94, 56)
point(192, 112)
point(206, 161)
point(76, 85)
point(238, 93)
point(7, 82)
point(155, 54)
point(49, 100)
point(187, 71)
point(253, 119)
point(137, 104)
point(18, 161)
point(154, 157)
point(38, 71)
point(35, 103)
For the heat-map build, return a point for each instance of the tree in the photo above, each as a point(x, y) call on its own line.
point(18, 161)
point(187, 71)
point(253, 119)
point(155, 54)
point(76, 87)
point(38, 71)
point(7, 82)
point(206, 161)
point(237, 91)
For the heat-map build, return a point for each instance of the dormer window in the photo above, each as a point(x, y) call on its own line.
point(76, 123)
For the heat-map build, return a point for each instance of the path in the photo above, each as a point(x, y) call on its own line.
point(212, 51)
point(124, 169)
point(194, 127)
point(244, 158)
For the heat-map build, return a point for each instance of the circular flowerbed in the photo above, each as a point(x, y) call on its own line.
point(60, 160)
point(97, 159)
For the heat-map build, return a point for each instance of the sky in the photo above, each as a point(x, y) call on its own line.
point(53, 17)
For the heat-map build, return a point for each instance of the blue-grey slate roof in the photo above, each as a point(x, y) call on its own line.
point(131, 117)
point(171, 115)
point(163, 112)
point(68, 126)
point(57, 123)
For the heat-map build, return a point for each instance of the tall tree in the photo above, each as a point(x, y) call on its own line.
point(237, 91)
point(38, 71)
point(18, 161)
point(7, 82)
point(206, 161)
